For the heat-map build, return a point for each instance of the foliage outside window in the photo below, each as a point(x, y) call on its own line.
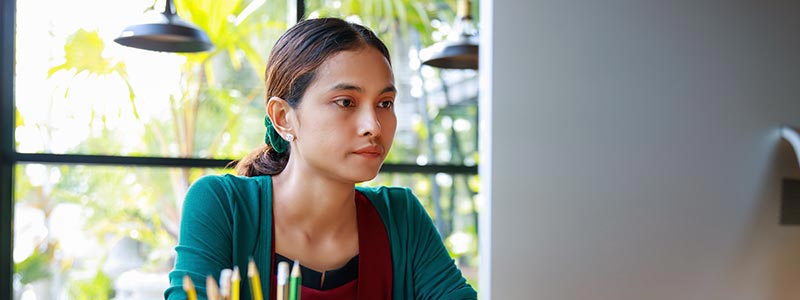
point(77, 92)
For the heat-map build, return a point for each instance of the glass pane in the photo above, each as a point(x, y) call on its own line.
point(92, 232)
point(79, 92)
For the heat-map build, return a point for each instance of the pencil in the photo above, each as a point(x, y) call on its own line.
point(283, 277)
point(255, 280)
point(225, 284)
point(235, 282)
point(212, 290)
point(188, 287)
point(294, 282)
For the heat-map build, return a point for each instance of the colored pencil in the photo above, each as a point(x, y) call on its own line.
point(283, 278)
point(225, 284)
point(188, 287)
point(236, 279)
point(212, 290)
point(255, 280)
point(295, 281)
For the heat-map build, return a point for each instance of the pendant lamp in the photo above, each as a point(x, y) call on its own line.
point(460, 50)
point(168, 33)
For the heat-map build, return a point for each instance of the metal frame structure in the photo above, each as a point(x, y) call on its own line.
point(10, 158)
point(8, 14)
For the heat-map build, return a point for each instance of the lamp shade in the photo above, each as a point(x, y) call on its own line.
point(168, 33)
point(461, 50)
point(460, 54)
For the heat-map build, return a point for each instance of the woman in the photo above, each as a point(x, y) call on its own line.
point(330, 123)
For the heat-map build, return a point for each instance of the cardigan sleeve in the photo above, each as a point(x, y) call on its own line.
point(435, 274)
point(204, 242)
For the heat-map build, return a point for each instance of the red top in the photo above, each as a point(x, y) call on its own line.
point(374, 277)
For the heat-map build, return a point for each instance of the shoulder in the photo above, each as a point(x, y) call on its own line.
point(389, 192)
point(394, 202)
point(227, 189)
point(228, 183)
point(389, 195)
point(221, 180)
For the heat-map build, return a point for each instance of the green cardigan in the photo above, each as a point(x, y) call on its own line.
point(227, 219)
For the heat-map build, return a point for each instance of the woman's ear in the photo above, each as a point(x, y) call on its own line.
point(281, 114)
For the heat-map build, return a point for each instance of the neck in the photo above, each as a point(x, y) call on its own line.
point(317, 206)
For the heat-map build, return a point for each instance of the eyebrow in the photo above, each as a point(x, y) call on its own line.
point(350, 87)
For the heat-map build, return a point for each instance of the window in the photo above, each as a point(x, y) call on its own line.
point(106, 139)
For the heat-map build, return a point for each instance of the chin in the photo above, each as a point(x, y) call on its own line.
point(359, 176)
point(361, 179)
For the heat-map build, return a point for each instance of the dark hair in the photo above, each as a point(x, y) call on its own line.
point(291, 67)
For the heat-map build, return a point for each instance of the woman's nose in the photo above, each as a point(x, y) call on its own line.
point(369, 124)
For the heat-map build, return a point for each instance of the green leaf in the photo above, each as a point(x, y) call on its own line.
point(83, 53)
point(34, 268)
point(95, 288)
point(18, 118)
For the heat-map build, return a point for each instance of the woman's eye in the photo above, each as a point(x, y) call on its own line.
point(386, 104)
point(345, 102)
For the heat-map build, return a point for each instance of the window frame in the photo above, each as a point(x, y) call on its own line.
point(10, 158)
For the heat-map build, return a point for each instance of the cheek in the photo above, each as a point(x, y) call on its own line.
point(389, 124)
point(321, 127)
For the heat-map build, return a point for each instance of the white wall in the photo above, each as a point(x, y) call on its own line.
point(631, 149)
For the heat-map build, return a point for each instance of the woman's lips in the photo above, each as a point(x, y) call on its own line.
point(370, 151)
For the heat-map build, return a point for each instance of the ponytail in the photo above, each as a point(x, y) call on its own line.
point(262, 161)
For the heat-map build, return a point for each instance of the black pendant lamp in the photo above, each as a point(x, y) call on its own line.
point(460, 51)
point(169, 33)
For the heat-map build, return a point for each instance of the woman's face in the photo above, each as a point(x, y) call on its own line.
point(345, 121)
